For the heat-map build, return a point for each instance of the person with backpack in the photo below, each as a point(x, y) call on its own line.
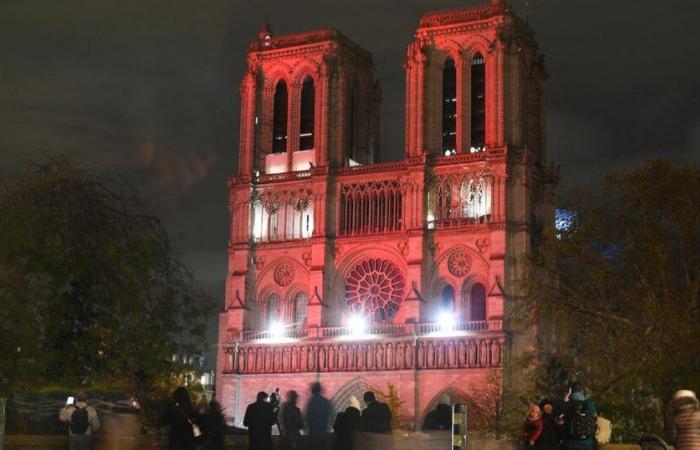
point(580, 420)
point(82, 421)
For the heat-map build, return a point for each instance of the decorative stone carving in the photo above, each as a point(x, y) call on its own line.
point(259, 262)
point(284, 274)
point(306, 256)
point(375, 287)
point(403, 247)
point(482, 244)
point(459, 263)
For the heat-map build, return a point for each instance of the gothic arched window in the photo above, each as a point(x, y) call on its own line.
point(449, 108)
point(273, 308)
point(351, 125)
point(279, 119)
point(447, 298)
point(306, 121)
point(477, 302)
point(300, 302)
point(478, 123)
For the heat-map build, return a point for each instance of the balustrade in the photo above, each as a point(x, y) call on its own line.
point(373, 331)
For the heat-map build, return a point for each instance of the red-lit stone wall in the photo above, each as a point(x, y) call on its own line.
point(400, 242)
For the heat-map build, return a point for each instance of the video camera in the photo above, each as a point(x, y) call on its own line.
point(275, 400)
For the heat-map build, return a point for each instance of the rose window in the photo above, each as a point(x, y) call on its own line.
point(459, 264)
point(375, 288)
point(284, 274)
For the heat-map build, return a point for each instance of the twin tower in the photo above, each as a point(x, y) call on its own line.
point(474, 81)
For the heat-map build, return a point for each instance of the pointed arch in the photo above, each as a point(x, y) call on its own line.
point(307, 114)
point(341, 399)
point(478, 102)
point(474, 307)
point(279, 117)
point(455, 395)
point(449, 107)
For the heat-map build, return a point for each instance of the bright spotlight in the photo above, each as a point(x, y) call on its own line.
point(276, 330)
point(357, 325)
point(446, 321)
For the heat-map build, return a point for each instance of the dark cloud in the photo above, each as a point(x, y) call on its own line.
point(150, 86)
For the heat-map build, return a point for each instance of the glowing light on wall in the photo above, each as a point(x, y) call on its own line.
point(276, 330)
point(446, 321)
point(357, 325)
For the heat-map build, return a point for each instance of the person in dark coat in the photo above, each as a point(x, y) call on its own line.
point(440, 418)
point(213, 427)
point(290, 422)
point(551, 438)
point(259, 418)
point(346, 424)
point(180, 415)
point(318, 412)
point(685, 427)
point(376, 417)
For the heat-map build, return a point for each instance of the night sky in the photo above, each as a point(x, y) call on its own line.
point(151, 87)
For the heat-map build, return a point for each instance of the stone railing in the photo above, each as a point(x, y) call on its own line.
point(374, 331)
point(456, 352)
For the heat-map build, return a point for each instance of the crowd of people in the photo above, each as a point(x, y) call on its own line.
point(570, 423)
point(203, 427)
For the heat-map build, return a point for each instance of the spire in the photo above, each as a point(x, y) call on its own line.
point(265, 32)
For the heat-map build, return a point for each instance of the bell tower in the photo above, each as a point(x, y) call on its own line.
point(307, 100)
point(474, 81)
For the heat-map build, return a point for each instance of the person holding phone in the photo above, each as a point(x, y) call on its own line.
point(82, 421)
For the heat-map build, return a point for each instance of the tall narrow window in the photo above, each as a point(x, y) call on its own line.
point(449, 108)
point(279, 119)
point(477, 302)
point(273, 309)
point(447, 298)
point(350, 130)
point(478, 124)
point(306, 122)
point(300, 302)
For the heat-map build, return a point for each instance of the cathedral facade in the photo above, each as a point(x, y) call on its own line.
point(383, 275)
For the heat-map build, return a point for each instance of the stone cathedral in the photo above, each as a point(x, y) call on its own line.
point(363, 274)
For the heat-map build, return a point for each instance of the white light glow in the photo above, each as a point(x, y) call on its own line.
point(276, 330)
point(446, 321)
point(357, 326)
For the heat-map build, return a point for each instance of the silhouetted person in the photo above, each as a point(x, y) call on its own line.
point(551, 437)
point(290, 422)
point(318, 411)
point(346, 424)
point(441, 417)
point(259, 418)
point(181, 416)
point(83, 422)
point(213, 427)
point(376, 418)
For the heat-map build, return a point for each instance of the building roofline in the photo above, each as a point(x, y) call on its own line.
point(306, 38)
